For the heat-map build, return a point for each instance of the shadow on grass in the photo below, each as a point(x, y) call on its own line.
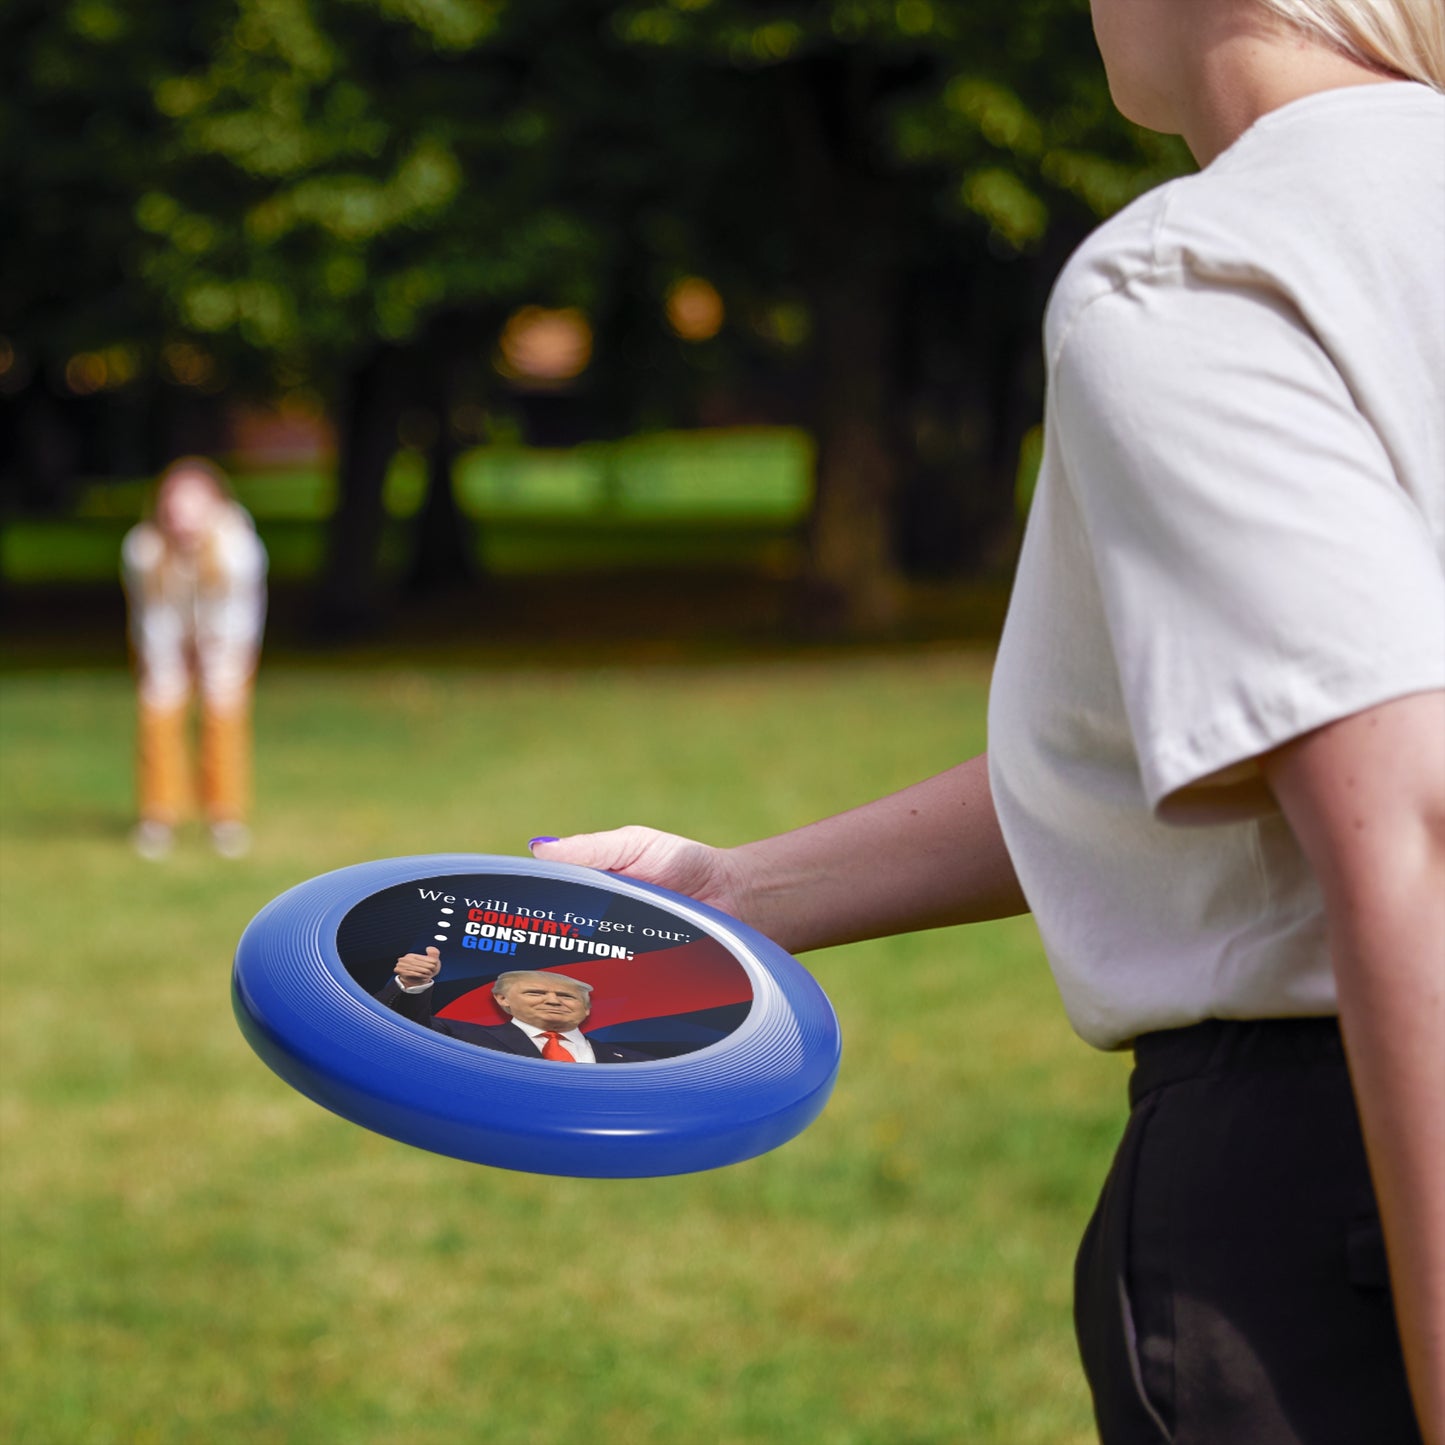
point(572, 620)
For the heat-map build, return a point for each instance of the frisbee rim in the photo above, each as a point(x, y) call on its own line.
point(314, 1025)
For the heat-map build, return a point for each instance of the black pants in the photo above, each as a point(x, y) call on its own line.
point(1231, 1288)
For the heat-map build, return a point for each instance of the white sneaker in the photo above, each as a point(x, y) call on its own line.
point(152, 840)
point(231, 839)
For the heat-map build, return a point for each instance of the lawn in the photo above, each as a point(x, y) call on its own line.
point(194, 1253)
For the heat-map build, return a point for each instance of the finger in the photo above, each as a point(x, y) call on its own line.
point(434, 955)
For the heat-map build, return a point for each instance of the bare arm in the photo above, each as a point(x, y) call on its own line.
point(926, 857)
point(1366, 799)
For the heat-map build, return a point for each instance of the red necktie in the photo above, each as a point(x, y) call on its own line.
point(553, 1049)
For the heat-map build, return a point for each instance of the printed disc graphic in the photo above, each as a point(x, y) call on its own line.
point(551, 1018)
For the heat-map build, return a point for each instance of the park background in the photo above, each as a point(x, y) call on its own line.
point(639, 402)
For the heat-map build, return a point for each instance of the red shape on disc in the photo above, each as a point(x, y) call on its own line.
point(695, 976)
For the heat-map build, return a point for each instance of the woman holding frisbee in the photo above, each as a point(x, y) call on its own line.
point(1217, 734)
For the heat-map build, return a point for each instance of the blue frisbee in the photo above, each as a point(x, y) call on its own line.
point(702, 1043)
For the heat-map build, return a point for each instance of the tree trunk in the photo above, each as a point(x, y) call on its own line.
point(442, 557)
point(852, 561)
point(974, 387)
point(350, 598)
point(46, 451)
point(851, 264)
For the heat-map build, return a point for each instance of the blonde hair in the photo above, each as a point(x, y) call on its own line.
point(211, 572)
point(1404, 37)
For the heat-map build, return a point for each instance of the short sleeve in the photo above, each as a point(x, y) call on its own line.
point(140, 554)
point(241, 552)
point(1263, 570)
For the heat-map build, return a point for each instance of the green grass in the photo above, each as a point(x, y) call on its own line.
point(194, 1253)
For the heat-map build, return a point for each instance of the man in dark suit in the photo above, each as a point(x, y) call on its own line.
point(546, 1011)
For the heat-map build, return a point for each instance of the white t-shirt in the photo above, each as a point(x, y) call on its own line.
point(193, 615)
point(1238, 536)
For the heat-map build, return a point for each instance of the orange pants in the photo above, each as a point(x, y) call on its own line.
point(163, 762)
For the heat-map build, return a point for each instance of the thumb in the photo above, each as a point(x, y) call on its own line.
point(434, 953)
point(613, 851)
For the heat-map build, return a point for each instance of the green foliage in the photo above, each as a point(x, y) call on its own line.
point(351, 196)
point(78, 140)
point(193, 1252)
point(352, 147)
point(299, 178)
point(1004, 106)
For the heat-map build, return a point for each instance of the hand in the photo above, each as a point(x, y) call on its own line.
point(695, 869)
point(928, 857)
point(415, 968)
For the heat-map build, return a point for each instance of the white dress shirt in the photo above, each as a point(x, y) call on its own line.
point(573, 1040)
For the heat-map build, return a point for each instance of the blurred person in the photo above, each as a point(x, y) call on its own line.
point(545, 1012)
point(195, 582)
point(1216, 767)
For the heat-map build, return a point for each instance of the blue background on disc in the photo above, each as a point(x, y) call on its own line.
point(313, 1024)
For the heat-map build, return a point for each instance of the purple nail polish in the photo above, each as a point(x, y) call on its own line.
point(533, 842)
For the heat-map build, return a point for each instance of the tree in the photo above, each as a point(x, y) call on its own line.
point(79, 139)
point(909, 145)
point(365, 179)
point(352, 195)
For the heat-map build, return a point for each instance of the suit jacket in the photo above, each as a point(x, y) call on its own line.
point(505, 1038)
